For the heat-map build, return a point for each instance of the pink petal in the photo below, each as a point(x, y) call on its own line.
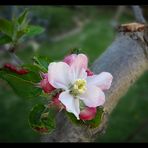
point(88, 113)
point(78, 68)
point(93, 96)
point(81, 61)
point(103, 80)
point(71, 104)
point(58, 75)
point(70, 59)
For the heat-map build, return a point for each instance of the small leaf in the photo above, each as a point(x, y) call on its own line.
point(6, 27)
point(42, 118)
point(34, 30)
point(23, 85)
point(23, 16)
point(5, 39)
point(89, 123)
point(32, 68)
point(42, 63)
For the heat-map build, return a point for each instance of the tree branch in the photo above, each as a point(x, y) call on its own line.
point(138, 14)
point(126, 59)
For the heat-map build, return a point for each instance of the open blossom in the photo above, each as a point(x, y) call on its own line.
point(79, 85)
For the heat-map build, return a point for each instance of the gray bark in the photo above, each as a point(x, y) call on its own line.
point(138, 14)
point(126, 59)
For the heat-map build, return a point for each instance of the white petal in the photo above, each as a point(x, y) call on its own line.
point(93, 96)
point(78, 67)
point(72, 104)
point(103, 80)
point(58, 74)
point(77, 74)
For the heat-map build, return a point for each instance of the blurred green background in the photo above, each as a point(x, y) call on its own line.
point(91, 29)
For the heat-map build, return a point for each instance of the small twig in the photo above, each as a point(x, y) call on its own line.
point(138, 14)
point(13, 56)
point(16, 58)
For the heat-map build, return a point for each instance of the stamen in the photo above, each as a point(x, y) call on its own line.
point(79, 87)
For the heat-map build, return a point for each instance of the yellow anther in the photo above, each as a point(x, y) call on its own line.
point(79, 87)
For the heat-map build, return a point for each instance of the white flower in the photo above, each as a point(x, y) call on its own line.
point(77, 85)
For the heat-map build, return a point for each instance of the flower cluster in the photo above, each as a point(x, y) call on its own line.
point(80, 91)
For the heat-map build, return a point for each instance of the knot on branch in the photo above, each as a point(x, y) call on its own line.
point(137, 31)
point(132, 27)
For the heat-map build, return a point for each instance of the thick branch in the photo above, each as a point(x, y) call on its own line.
point(126, 59)
point(138, 14)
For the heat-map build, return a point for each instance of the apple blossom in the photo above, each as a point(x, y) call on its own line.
point(77, 85)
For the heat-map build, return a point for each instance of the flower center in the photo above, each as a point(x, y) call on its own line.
point(79, 87)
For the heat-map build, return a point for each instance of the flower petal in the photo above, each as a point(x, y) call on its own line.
point(88, 113)
point(77, 74)
point(81, 61)
point(93, 96)
point(103, 80)
point(71, 104)
point(70, 59)
point(58, 75)
point(78, 68)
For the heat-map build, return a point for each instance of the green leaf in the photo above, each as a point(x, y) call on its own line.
point(42, 63)
point(33, 68)
point(19, 34)
point(6, 27)
point(89, 123)
point(23, 85)
point(34, 30)
point(23, 16)
point(5, 39)
point(42, 118)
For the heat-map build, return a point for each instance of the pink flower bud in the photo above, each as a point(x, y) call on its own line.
point(70, 59)
point(89, 72)
point(13, 68)
point(44, 75)
point(10, 67)
point(46, 86)
point(22, 71)
point(57, 102)
point(88, 113)
point(41, 129)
